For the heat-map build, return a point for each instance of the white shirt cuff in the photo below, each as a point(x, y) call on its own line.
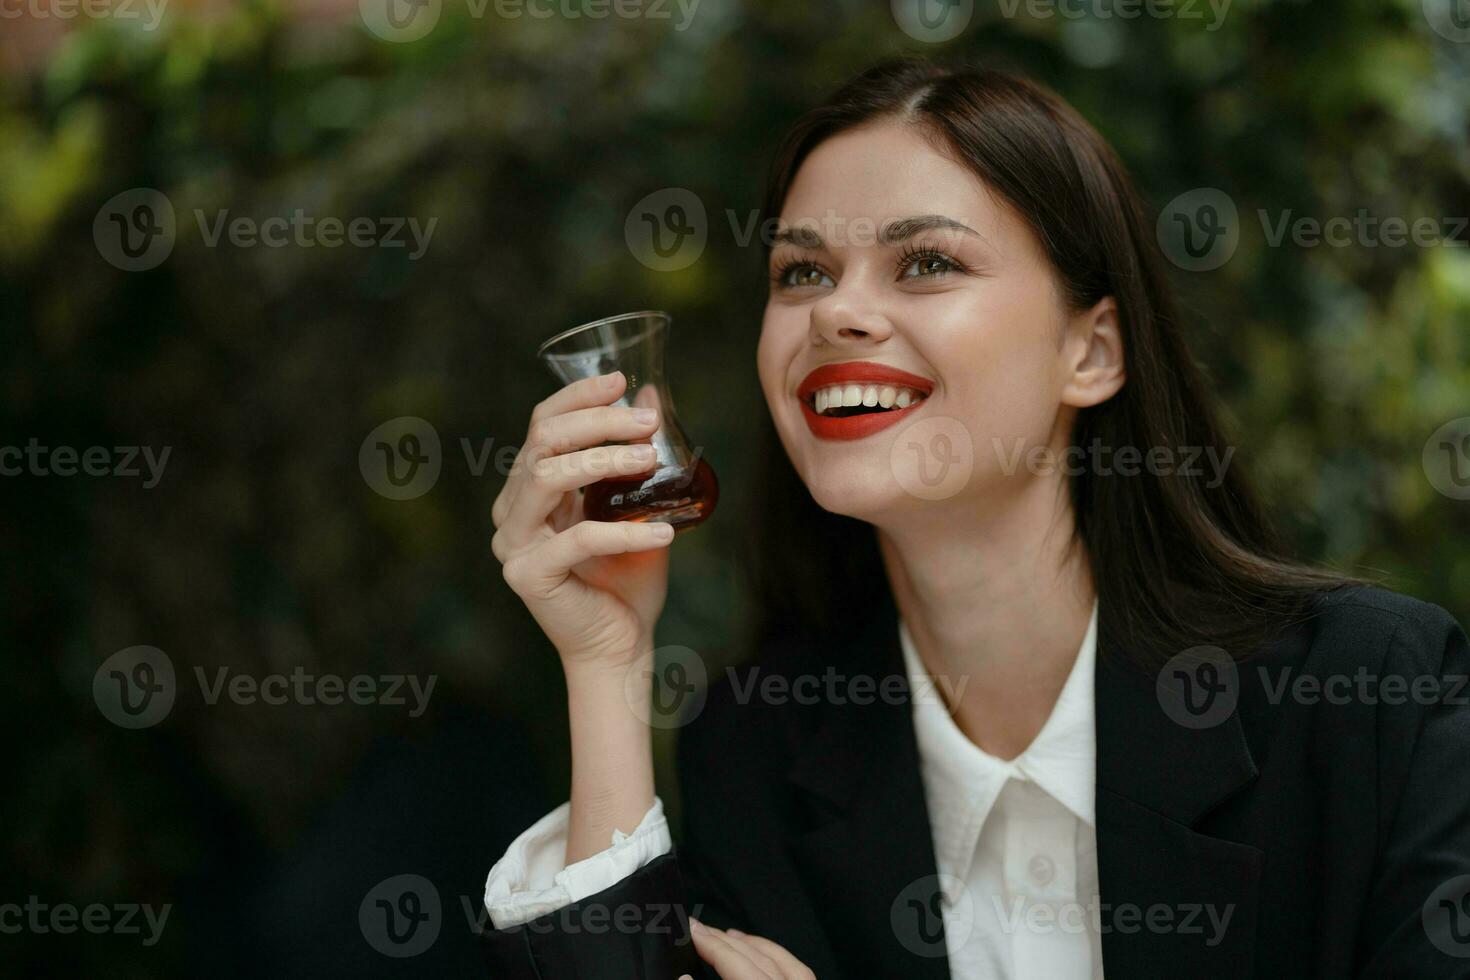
point(529, 880)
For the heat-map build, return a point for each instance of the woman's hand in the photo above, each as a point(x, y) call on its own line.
point(595, 587)
point(739, 956)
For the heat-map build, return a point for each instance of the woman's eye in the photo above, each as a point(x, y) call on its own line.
point(924, 266)
point(805, 275)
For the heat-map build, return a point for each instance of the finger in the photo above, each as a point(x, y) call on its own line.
point(559, 434)
point(790, 965)
point(729, 962)
point(582, 393)
point(742, 942)
point(538, 572)
point(550, 479)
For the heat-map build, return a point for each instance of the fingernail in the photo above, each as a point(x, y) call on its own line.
point(644, 415)
point(643, 451)
point(611, 380)
point(734, 932)
point(696, 926)
point(662, 530)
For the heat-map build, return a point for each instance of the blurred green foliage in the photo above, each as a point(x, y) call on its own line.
point(529, 140)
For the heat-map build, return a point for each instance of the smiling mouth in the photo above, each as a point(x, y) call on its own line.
point(842, 401)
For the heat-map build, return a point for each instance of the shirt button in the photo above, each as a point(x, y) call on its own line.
point(1041, 869)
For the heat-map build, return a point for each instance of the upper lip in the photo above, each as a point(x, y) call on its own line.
point(861, 372)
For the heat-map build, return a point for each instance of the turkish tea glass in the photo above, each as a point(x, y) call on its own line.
point(680, 487)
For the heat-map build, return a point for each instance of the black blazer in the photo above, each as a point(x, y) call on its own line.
point(1332, 828)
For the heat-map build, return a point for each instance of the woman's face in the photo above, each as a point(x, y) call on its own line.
point(890, 253)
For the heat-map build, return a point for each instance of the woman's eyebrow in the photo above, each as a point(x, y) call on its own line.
point(800, 235)
point(902, 229)
point(803, 235)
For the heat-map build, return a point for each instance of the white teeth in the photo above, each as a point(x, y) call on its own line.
point(868, 396)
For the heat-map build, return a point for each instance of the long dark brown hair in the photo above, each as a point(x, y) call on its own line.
point(1177, 562)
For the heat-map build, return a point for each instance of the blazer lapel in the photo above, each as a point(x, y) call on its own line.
point(870, 851)
point(1175, 901)
point(1156, 780)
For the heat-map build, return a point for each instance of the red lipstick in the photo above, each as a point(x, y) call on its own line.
point(857, 372)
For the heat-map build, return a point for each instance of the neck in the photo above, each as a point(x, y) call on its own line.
point(997, 602)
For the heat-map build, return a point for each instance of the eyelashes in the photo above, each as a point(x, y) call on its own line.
point(925, 255)
point(783, 270)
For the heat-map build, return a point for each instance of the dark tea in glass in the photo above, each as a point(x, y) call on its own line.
point(680, 489)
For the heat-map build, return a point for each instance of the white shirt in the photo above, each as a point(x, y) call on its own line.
point(1015, 842)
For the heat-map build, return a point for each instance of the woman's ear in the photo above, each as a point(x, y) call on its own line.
point(1092, 355)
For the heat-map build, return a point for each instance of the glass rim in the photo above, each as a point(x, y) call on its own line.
point(655, 314)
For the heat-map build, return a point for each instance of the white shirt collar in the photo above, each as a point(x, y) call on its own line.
point(962, 780)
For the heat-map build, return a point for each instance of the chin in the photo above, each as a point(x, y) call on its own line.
point(857, 491)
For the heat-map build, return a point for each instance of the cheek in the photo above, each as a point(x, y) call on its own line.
point(766, 362)
point(1007, 384)
point(783, 331)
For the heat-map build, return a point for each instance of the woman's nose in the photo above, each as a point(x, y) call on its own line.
point(846, 319)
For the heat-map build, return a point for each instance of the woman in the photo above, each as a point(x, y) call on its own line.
point(1011, 499)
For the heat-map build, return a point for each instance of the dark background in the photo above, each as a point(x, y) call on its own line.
point(265, 547)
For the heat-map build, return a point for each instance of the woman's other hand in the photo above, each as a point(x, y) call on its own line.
point(736, 955)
